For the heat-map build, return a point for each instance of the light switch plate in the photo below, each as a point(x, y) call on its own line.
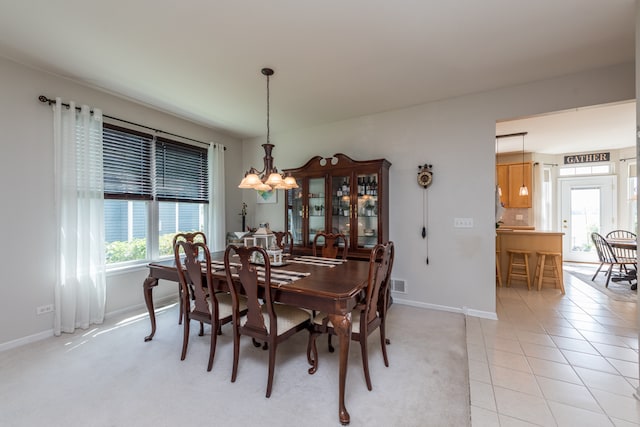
point(463, 222)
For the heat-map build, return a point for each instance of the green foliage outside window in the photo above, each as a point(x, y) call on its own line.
point(136, 249)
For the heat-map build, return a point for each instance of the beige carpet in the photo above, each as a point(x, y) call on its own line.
point(109, 376)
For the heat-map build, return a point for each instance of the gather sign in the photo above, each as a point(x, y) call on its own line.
point(586, 158)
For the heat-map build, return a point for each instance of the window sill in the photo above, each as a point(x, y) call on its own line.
point(129, 268)
point(114, 271)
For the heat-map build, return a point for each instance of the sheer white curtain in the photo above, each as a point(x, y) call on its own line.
point(217, 234)
point(80, 274)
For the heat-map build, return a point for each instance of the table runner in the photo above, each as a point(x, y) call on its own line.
point(320, 261)
point(278, 276)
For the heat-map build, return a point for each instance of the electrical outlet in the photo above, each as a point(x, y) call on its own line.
point(463, 222)
point(44, 309)
point(519, 217)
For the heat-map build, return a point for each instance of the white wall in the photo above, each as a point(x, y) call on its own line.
point(26, 189)
point(456, 136)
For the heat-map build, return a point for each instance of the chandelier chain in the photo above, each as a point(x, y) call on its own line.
point(268, 128)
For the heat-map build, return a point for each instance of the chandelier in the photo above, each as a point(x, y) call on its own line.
point(268, 178)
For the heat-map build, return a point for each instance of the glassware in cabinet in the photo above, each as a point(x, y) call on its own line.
point(367, 206)
point(316, 207)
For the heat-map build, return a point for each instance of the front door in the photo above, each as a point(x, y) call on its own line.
point(587, 205)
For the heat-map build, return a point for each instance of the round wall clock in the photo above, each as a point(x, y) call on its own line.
point(424, 178)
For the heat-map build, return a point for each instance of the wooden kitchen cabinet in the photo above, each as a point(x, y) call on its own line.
point(339, 195)
point(503, 183)
point(510, 178)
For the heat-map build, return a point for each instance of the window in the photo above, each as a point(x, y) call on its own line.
point(547, 199)
point(599, 169)
point(154, 188)
point(632, 196)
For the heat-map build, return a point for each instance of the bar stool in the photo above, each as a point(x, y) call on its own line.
point(551, 271)
point(498, 272)
point(520, 260)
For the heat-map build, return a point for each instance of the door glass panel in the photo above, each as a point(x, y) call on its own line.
point(367, 210)
point(340, 205)
point(585, 218)
point(295, 214)
point(587, 205)
point(315, 207)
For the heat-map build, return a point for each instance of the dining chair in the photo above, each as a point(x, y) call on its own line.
point(265, 320)
point(200, 302)
point(607, 256)
point(622, 252)
point(620, 234)
point(284, 240)
point(366, 317)
point(198, 236)
point(328, 245)
point(385, 299)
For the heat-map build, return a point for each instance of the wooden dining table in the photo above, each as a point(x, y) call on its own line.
point(631, 244)
point(334, 290)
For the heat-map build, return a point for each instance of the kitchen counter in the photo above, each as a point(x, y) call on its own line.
point(529, 240)
point(516, 227)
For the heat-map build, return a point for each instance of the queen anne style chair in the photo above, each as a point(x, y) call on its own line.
point(328, 245)
point(366, 316)
point(284, 240)
point(607, 256)
point(265, 320)
point(197, 236)
point(385, 300)
point(199, 300)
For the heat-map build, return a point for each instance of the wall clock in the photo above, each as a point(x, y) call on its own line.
point(425, 176)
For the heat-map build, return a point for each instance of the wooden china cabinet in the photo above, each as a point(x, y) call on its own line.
point(339, 195)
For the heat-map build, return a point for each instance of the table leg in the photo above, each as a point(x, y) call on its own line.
point(147, 287)
point(342, 327)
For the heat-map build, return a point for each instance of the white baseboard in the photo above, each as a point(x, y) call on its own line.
point(463, 310)
point(49, 333)
point(26, 340)
point(156, 303)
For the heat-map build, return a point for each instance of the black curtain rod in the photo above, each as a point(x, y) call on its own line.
point(512, 134)
point(50, 101)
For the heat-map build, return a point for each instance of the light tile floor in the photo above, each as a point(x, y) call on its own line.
point(554, 360)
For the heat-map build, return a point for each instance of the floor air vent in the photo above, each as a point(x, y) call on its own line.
point(398, 285)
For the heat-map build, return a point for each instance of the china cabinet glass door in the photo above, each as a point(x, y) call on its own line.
point(341, 205)
point(295, 214)
point(316, 208)
point(367, 232)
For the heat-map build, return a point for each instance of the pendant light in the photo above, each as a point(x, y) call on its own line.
point(268, 178)
point(524, 191)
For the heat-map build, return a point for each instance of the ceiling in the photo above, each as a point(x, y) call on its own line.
point(333, 60)
point(581, 130)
